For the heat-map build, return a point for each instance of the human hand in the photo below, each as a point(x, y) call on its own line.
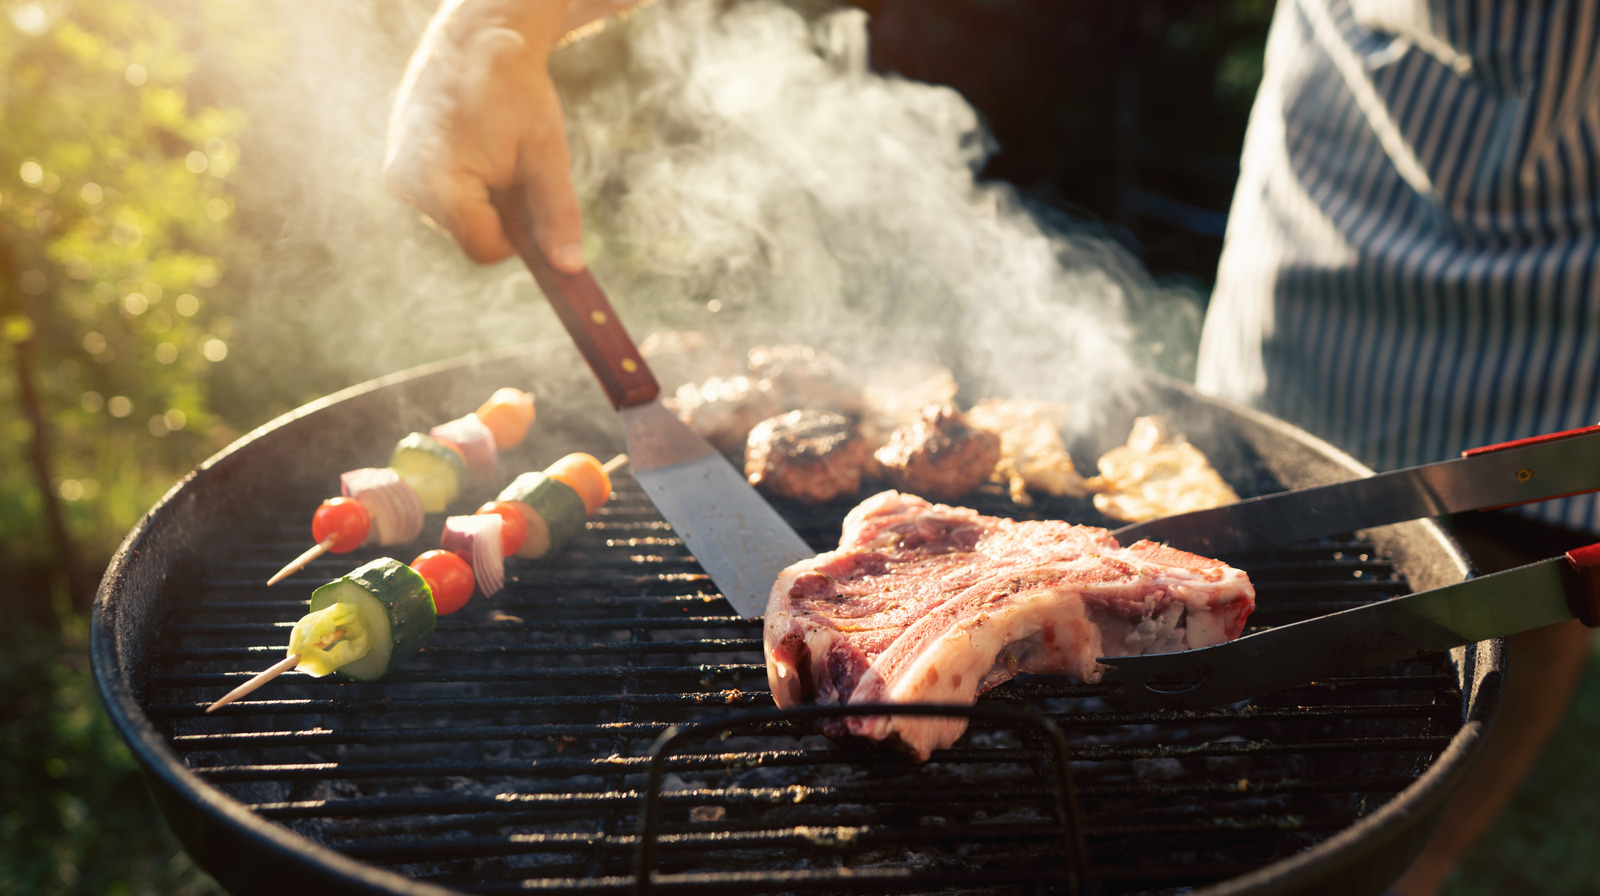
point(477, 112)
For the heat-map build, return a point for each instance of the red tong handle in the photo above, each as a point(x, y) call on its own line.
point(1585, 600)
point(1532, 440)
point(584, 310)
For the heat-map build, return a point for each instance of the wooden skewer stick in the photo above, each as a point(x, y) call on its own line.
point(300, 562)
point(278, 668)
point(614, 464)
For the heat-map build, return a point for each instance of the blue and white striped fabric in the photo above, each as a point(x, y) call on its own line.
point(1410, 267)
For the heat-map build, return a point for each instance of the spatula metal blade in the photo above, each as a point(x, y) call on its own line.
point(734, 534)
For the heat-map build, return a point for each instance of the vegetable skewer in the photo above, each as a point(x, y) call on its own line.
point(364, 624)
point(360, 625)
point(387, 505)
point(531, 517)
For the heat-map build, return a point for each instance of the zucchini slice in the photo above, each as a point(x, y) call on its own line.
point(554, 510)
point(432, 469)
point(394, 605)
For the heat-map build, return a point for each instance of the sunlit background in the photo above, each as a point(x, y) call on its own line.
point(194, 240)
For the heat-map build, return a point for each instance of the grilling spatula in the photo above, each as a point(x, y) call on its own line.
point(1362, 638)
point(1534, 469)
point(737, 537)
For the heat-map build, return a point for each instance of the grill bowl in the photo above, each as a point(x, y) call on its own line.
point(512, 752)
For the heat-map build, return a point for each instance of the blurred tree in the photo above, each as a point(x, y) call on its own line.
point(115, 227)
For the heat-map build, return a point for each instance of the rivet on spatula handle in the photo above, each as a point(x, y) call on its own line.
point(584, 310)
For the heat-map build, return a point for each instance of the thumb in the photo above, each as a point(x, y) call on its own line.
point(555, 215)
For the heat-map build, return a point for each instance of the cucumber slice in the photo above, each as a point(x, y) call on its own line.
point(395, 606)
point(432, 469)
point(558, 506)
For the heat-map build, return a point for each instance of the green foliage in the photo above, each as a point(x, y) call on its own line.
point(115, 230)
point(76, 817)
point(116, 233)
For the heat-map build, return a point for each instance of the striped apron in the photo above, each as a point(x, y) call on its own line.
point(1410, 265)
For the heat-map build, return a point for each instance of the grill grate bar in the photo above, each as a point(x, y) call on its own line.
point(449, 627)
point(736, 697)
point(808, 837)
point(446, 704)
point(998, 879)
point(1097, 752)
point(455, 804)
point(710, 645)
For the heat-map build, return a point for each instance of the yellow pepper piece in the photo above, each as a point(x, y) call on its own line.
point(328, 639)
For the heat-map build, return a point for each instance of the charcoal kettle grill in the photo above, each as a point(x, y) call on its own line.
point(602, 725)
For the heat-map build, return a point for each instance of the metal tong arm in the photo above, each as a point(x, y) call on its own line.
point(1542, 468)
point(1362, 638)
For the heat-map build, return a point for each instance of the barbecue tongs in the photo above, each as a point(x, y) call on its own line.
point(1542, 593)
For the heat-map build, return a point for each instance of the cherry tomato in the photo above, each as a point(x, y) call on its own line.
point(449, 578)
point(346, 520)
point(508, 413)
point(586, 476)
point(513, 528)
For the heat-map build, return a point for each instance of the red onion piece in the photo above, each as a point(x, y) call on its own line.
point(476, 441)
point(476, 539)
point(396, 509)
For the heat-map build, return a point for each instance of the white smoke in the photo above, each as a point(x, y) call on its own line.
point(741, 170)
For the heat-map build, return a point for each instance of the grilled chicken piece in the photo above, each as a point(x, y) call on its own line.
point(928, 603)
point(939, 456)
point(806, 377)
point(1033, 457)
point(1157, 473)
point(806, 455)
point(723, 410)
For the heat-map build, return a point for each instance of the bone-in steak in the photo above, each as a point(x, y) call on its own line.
point(924, 603)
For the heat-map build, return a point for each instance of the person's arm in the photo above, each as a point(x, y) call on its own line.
point(477, 110)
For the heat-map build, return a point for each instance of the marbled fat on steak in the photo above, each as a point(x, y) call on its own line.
point(924, 603)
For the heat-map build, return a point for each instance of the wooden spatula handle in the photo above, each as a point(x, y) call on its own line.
point(584, 310)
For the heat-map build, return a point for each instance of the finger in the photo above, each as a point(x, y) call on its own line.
point(554, 212)
point(472, 219)
point(558, 224)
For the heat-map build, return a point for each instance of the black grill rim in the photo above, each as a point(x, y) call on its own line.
point(243, 850)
